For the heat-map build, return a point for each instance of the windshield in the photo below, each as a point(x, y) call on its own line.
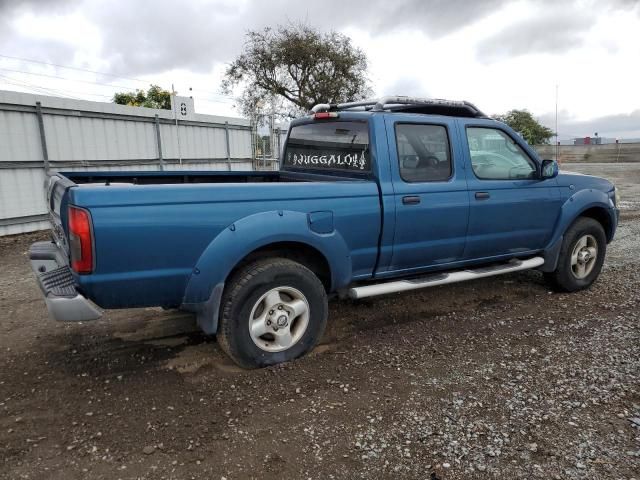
point(329, 146)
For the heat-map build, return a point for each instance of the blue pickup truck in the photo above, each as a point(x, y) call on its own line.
point(372, 197)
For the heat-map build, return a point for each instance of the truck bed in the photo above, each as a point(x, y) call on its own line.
point(152, 229)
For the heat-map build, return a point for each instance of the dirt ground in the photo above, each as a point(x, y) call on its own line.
point(492, 379)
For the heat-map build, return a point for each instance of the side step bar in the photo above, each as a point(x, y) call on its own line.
point(514, 265)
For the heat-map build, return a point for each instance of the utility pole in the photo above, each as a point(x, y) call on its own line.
point(557, 144)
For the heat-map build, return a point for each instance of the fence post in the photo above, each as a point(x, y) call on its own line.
point(159, 143)
point(278, 151)
point(254, 146)
point(43, 138)
point(226, 137)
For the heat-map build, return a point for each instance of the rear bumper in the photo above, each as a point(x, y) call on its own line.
point(58, 285)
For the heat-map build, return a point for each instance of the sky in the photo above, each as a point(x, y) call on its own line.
point(497, 54)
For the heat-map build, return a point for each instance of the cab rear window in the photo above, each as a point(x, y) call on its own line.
point(329, 146)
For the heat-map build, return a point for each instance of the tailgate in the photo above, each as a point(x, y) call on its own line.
point(55, 188)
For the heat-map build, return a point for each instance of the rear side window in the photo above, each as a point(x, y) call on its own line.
point(329, 146)
point(423, 153)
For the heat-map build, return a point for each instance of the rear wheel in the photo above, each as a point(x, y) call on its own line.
point(272, 311)
point(581, 256)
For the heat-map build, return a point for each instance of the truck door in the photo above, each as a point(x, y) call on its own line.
point(430, 192)
point(512, 210)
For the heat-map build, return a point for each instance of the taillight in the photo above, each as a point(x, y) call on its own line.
point(325, 115)
point(80, 240)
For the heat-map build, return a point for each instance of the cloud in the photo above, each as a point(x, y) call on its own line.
point(551, 32)
point(434, 18)
point(9, 6)
point(409, 86)
point(554, 28)
point(155, 35)
point(448, 48)
point(633, 4)
point(622, 125)
point(150, 36)
point(12, 43)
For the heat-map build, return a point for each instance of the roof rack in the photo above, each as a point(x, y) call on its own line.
point(406, 104)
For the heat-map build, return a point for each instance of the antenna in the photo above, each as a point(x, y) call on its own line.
point(557, 145)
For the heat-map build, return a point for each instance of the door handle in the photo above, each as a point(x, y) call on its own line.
point(482, 195)
point(411, 200)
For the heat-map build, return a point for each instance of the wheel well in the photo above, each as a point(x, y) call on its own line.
point(302, 253)
point(601, 216)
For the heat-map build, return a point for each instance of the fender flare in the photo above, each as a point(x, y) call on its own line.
point(255, 231)
point(573, 208)
point(578, 203)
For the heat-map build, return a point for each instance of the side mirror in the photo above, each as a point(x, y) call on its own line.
point(549, 169)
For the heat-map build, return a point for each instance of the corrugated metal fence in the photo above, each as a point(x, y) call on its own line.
point(40, 134)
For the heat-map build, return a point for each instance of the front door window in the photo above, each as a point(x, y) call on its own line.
point(495, 156)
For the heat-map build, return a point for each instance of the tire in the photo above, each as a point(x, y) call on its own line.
point(578, 271)
point(274, 296)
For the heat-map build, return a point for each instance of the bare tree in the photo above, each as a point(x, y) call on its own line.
point(287, 70)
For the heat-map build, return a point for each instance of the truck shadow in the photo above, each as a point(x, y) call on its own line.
point(348, 317)
point(136, 341)
point(125, 341)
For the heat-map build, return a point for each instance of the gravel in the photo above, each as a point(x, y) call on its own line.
point(491, 379)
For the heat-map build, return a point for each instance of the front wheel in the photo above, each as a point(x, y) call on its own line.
point(581, 256)
point(272, 311)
